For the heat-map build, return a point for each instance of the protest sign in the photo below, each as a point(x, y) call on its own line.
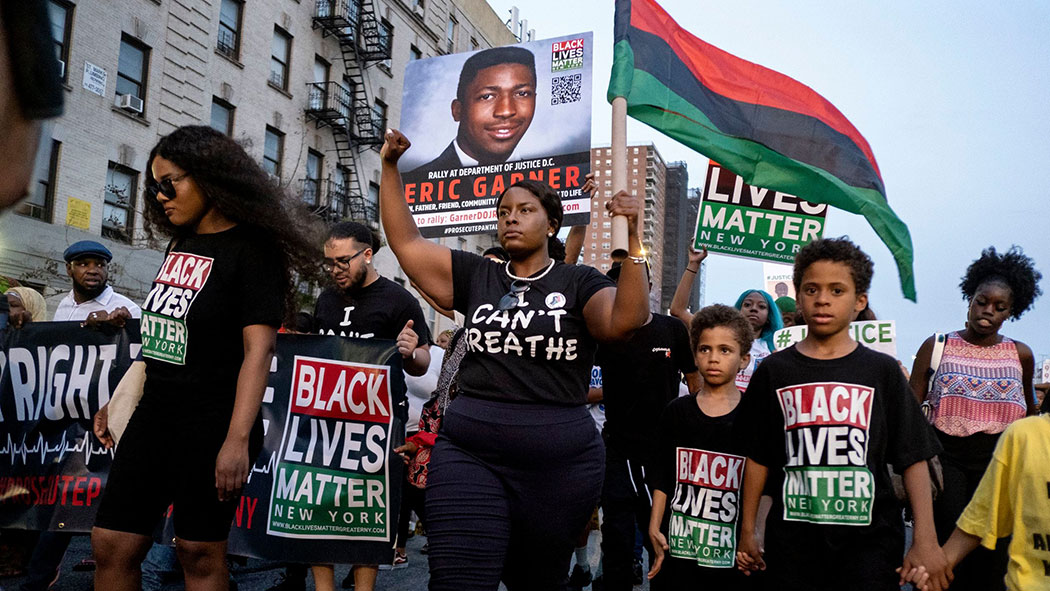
point(702, 525)
point(754, 223)
point(482, 121)
point(54, 376)
point(880, 335)
point(779, 280)
point(323, 489)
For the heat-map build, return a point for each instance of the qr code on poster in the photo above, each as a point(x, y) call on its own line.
point(566, 89)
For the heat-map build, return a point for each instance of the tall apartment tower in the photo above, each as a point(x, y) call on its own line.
point(307, 87)
point(679, 225)
point(646, 178)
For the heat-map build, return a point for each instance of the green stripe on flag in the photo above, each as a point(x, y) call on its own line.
point(651, 102)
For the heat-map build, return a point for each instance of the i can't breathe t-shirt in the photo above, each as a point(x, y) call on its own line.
point(209, 288)
point(539, 351)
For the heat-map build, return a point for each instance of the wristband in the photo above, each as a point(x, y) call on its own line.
point(690, 270)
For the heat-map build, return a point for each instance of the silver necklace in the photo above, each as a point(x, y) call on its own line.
point(528, 279)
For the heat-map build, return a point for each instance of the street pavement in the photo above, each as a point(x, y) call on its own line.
point(259, 575)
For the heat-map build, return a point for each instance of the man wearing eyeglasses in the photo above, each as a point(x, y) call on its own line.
point(364, 305)
point(87, 263)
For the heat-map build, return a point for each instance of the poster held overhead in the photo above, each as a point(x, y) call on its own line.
point(481, 121)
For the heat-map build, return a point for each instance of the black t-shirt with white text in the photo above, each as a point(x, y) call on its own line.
point(639, 377)
point(699, 465)
point(378, 310)
point(209, 288)
point(826, 430)
point(540, 351)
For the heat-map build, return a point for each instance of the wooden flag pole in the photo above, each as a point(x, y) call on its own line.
point(619, 173)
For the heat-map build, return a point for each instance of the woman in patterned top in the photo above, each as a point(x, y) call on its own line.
point(982, 383)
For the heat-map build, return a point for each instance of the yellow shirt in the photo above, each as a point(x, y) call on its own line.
point(1013, 498)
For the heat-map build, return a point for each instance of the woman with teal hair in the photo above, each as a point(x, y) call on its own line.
point(762, 312)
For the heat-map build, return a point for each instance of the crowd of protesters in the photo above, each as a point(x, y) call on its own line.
point(732, 464)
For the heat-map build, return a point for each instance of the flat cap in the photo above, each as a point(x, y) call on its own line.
point(87, 248)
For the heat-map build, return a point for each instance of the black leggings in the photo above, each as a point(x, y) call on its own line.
point(509, 489)
point(963, 463)
point(411, 500)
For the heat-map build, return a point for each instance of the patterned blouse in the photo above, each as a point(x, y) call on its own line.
point(977, 389)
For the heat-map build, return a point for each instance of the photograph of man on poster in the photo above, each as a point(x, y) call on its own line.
point(494, 105)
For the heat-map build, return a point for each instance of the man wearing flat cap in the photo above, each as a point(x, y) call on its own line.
point(87, 264)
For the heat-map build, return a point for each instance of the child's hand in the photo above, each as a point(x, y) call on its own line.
point(749, 555)
point(931, 557)
point(659, 549)
point(917, 576)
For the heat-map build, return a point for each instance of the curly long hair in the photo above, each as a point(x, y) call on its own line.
point(237, 185)
point(1012, 268)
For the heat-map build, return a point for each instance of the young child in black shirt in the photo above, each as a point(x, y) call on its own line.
point(700, 463)
point(824, 418)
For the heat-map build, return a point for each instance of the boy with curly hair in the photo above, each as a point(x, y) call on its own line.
point(825, 416)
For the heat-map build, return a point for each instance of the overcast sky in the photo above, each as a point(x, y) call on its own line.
point(952, 96)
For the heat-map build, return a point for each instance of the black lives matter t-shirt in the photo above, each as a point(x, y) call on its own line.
point(540, 351)
point(639, 377)
point(699, 465)
point(209, 288)
point(826, 429)
point(378, 310)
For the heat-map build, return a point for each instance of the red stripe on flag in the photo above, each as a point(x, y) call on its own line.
point(741, 80)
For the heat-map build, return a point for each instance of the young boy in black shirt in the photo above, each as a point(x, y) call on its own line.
point(700, 463)
point(825, 417)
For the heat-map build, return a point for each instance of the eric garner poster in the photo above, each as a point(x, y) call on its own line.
point(481, 121)
point(755, 223)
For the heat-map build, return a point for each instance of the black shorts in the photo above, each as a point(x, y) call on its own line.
point(167, 457)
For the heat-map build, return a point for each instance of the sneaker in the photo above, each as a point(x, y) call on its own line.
point(348, 581)
point(579, 578)
point(639, 576)
point(288, 584)
point(400, 561)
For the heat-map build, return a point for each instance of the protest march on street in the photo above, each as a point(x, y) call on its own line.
point(416, 300)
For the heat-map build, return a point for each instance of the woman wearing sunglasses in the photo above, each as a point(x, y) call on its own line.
point(208, 335)
point(517, 468)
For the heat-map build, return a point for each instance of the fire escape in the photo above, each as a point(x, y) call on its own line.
point(346, 108)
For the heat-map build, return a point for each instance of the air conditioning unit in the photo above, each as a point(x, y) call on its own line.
point(62, 69)
point(130, 103)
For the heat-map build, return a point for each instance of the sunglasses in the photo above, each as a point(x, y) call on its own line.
point(510, 301)
point(341, 263)
point(165, 187)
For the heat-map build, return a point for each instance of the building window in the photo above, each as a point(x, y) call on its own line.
point(42, 193)
point(606, 224)
point(386, 41)
point(312, 182)
point(607, 235)
point(606, 246)
point(372, 202)
point(605, 266)
point(132, 68)
point(61, 14)
point(473, 44)
point(636, 150)
point(119, 202)
point(594, 256)
point(608, 162)
point(229, 40)
point(450, 34)
point(280, 56)
point(222, 116)
point(379, 116)
point(273, 150)
point(414, 53)
point(419, 4)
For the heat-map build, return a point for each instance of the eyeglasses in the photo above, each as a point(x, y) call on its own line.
point(165, 187)
point(341, 263)
point(510, 301)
